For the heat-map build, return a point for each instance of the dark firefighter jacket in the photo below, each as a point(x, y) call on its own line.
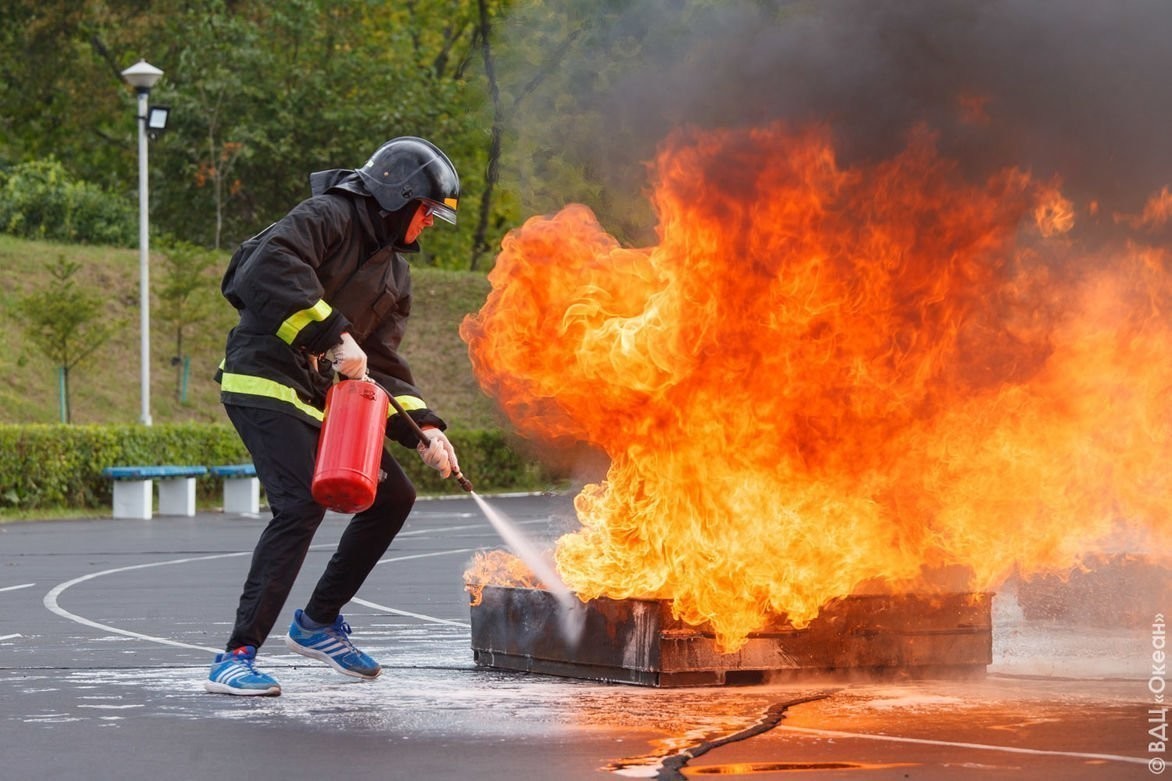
point(328, 266)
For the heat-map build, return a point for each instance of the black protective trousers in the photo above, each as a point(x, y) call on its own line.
point(283, 449)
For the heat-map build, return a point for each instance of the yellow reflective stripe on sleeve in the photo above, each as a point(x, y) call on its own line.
point(298, 320)
point(407, 403)
point(259, 386)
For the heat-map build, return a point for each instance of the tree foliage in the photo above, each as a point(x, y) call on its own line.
point(65, 322)
point(519, 93)
point(39, 200)
point(261, 94)
point(185, 292)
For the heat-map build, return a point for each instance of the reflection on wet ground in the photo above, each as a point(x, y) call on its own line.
point(1059, 701)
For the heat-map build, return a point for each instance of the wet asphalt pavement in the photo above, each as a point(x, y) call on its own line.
point(107, 628)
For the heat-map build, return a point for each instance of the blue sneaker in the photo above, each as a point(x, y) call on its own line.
point(234, 672)
point(331, 644)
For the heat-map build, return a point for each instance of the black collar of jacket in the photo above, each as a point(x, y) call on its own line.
point(347, 180)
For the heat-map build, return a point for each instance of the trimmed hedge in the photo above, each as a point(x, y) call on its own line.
point(50, 466)
point(486, 458)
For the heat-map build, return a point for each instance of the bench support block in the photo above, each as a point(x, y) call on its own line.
point(242, 495)
point(177, 496)
point(132, 499)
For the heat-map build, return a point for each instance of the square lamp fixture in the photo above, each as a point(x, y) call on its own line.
point(157, 119)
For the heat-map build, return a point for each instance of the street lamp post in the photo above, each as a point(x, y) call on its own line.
point(142, 76)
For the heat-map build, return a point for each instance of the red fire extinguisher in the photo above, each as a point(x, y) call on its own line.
point(350, 447)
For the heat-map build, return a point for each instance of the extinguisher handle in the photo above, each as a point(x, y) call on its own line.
point(464, 482)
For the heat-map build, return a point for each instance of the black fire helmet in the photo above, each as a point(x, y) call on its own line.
point(407, 169)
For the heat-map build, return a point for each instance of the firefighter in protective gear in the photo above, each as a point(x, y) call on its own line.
point(325, 287)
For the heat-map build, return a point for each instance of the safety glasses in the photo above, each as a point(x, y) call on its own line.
point(439, 210)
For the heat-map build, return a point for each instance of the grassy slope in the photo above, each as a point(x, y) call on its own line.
point(105, 387)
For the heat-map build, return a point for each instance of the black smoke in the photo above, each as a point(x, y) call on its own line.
point(1080, 89)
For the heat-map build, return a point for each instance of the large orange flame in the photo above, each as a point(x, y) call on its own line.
point(827, 377)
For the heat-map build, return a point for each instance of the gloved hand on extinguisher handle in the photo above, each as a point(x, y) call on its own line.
point(348, 358)
point(438, 453)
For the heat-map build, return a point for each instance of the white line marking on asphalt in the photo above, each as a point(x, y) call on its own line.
point(467, 527)
point(417, 532)
point(409, 614)
point(14, 588)
point(52, 604)
point(958, 744)
point(426, 555)
point(11, 637)
point(396, 611)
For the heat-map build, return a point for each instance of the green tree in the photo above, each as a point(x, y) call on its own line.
point(264, 93)
point(39, 200)
point(185, 293)
point(60, 89)
point(487, 14)
point(222, 92)
point(65, 322)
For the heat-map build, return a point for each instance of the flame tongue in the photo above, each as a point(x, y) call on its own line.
point(826, 376)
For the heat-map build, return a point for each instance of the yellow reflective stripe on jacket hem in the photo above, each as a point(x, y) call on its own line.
point(298, 320)
point(259, 386)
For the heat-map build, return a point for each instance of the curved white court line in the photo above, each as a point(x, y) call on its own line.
point(51, 600)
point(958, 744)
point(53, 606)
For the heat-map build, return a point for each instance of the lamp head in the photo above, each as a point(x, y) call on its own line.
point(142, 76)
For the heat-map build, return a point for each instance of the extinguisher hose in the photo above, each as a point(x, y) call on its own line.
point(464, 482)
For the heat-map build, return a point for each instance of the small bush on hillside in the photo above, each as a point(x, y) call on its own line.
point(39, 200)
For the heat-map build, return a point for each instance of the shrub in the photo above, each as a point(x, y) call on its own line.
point(44, 466)
point(38, 200)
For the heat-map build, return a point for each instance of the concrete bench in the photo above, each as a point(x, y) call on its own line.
point(241, 488)
point(134, 494)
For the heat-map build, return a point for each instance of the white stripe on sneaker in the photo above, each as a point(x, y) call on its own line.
point(330, 646)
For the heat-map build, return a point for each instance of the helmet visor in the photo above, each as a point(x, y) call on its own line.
point(445, 211)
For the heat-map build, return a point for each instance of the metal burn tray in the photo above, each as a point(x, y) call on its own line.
point(637, 641)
